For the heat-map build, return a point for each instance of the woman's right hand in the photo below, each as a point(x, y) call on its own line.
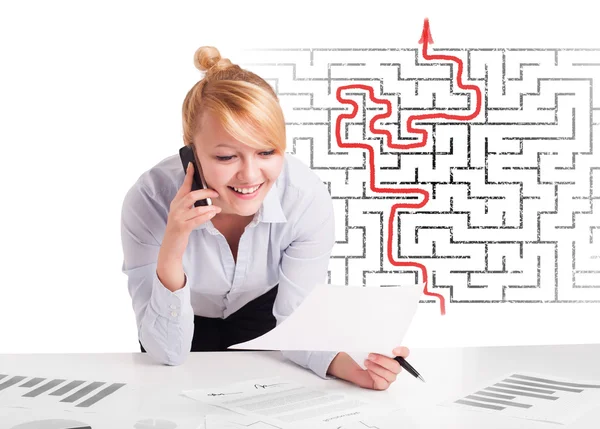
point(184, 217)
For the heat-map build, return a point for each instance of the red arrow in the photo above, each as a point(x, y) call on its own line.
point(426, 33)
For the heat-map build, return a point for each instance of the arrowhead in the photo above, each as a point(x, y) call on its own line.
point(426, 34)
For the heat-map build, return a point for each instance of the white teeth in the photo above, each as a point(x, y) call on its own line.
point(246, 190)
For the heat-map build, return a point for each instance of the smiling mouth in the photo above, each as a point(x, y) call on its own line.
point(245, 191)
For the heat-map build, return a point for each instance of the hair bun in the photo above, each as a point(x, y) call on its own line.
point(207, 57)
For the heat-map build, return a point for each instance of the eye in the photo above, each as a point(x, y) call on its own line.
point(224, 158)
point(271, 152)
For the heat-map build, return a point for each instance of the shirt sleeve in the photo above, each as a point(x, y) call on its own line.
point(165, 319)
point(303, 265)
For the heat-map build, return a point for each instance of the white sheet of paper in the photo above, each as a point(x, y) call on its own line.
point(220, 421)
point(345, 318)
point(286, 404)
point(533, 396)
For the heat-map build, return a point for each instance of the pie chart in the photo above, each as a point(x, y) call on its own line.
point(53, 424)
point(155, 424)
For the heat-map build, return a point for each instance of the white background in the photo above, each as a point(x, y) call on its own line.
point(90, 98)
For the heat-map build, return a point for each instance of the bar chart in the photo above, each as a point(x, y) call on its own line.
point(59, 393)
point(534, 397)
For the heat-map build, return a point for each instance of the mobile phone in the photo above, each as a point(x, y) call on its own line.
point(187, 155)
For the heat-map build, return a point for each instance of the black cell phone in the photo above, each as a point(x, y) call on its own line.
point(187, 155)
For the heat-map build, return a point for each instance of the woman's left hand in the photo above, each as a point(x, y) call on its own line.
point(381, 370)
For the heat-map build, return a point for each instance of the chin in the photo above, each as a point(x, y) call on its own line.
point(251, 212)
point(244, 211)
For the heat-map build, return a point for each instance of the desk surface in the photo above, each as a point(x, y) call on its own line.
point(448, 372)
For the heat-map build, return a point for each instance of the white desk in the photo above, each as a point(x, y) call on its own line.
point(448, 373)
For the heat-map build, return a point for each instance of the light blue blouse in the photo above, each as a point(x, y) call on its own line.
point(288, 242)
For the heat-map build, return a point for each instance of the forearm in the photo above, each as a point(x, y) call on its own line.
point(167, 325)
point(169, 266)
point(327, 365)
point(156, 278)
point(343, 366)
point(169, 270)
point(317, 362)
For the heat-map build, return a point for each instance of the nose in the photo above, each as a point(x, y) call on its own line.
point(249, 172)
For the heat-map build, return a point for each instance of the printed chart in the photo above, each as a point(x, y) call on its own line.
point(533, 397)
point(60, 393)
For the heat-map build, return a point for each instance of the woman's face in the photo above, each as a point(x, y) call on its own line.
point(241, 175)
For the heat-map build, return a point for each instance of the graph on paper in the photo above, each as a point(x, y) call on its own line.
point(60, 393)
point(533, 397)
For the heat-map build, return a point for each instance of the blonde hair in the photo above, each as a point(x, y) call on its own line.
point(245, 104)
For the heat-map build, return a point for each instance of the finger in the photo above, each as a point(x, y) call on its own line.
point(186, 187)
point(363, 379)
point(386, 362)
point(200, 211)
point(379, 383)
point(384, 373)
point(199, 220)
point(401, 351)
point(200, 194)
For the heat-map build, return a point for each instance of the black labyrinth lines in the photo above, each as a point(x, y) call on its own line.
point(513, 214)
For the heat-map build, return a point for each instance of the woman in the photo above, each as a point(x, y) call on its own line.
point(204, 278)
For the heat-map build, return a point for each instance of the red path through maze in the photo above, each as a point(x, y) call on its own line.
point(425, 41)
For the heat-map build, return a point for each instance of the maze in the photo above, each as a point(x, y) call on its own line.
point(500, 206)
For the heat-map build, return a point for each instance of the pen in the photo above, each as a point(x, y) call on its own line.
point(408, 367)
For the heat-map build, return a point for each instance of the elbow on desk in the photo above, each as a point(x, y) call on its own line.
point(175, 360)
point(169, 359)
point(161, 355)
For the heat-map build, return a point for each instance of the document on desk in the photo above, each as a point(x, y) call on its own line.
point(279, 403)
point(220, 421)
point(532, 396)
point(345, 318)
point(62, 393)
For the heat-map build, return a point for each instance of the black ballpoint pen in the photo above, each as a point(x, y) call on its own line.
point(408, 367)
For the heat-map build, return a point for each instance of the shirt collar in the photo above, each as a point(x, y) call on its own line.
point(270, 210)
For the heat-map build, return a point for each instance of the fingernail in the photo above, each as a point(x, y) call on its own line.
point(371, 357)
point(188, 166)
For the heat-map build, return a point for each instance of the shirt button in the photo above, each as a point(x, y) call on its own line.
point(174, 313)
